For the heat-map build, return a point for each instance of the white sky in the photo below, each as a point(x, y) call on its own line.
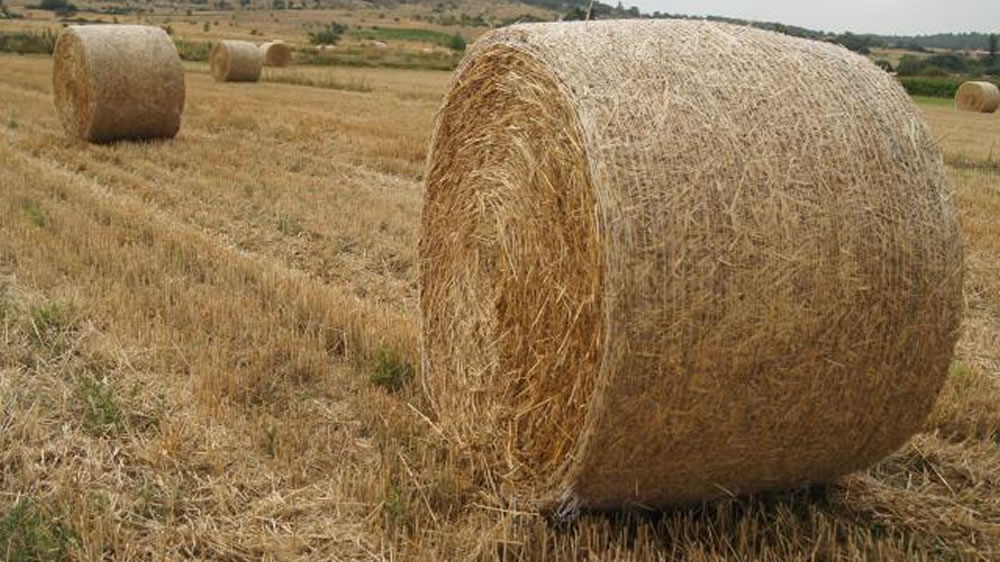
point(890, 17)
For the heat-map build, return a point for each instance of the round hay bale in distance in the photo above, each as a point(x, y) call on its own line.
point(655, 269)
point(981, 97)
point(236, 61)
point(116, 82)
point(276, 53)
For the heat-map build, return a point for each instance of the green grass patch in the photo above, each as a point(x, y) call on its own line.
point(380, 58)
point(196, 51)
point(29, 533)
point(452, 41)
point(931, 86)
point(396, 506)
point(101, 414)
point(927, 100)
point(392, 372)
point(35, 214)
point(938, 86)
point(50, 322)
point(28, 42)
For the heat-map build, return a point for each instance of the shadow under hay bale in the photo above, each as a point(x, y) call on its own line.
point(236, 61)
point(669, 261)
point(116, 82)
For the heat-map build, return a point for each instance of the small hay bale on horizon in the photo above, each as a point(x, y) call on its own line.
point(654, 270)
point(977, 96)
point(236, 61)
point(276, 53)
point(118, 82)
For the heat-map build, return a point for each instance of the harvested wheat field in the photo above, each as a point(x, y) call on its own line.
point(209, 351)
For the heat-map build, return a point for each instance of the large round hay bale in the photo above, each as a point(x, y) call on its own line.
point(236, 61)
point(276, 53)
point(981, 97)
point(114, 82)
point(664, 261)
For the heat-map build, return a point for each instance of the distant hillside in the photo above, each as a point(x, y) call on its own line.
point(577, 9)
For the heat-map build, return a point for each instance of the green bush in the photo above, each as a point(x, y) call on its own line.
point(909, 65)
point(952, 62)
point(196, 51)
point(934, 87)
point(387, 58)
point(410, 34)
point(329, 35)
point(938, 65)
point(28, 42)
point(61, 7)
point(456, 43)
point(934, 71)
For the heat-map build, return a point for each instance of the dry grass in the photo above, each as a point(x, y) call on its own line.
point(967, 141)
point(205, 354)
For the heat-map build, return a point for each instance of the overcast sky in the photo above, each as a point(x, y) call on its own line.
point(896, 17)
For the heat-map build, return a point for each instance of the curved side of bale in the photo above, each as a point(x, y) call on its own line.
point(236, 61)
point(276, 53)
point(114, 82)
point(981, 97)
point(648, 280)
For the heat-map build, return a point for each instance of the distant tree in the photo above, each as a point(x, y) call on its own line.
point(884, 65)
point(856, 43)
point(61, 7)
point(456, 42)
point(909, 65)
point(278, 4)
point(575, 14)
point(329, 35)
point(934, 71)
point(952, 62)
point(993, 41)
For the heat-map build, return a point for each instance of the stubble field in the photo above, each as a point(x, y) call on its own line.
point(208, 351)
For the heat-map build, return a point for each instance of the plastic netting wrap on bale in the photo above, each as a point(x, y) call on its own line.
point(236, 61)
point(114, 82)
point(667, 261)
point(276, 53)
point(982, 97)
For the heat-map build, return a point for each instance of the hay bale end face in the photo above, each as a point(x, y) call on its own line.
point(276, 53)
point(981, 97)
point(657, 270)
point(236, 61)
point(116, 82)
